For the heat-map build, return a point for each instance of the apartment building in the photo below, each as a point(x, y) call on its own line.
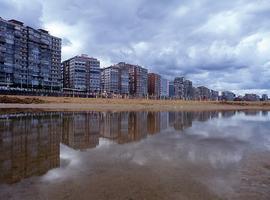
point(204, 93)
point(164, 88)
point(171, 89)
point(179, 87)
point(227, 96)
point(214, 95)
point(154, 85)
point(188, 90)
point(29, 58)
point(115, 80)
point(82, 73)
point(264, 97)
point(138, 79)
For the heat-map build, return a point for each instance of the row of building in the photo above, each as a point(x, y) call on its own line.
point(31, 58)
point(230, 96)
point(84, 73)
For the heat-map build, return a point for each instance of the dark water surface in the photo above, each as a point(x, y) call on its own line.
point(135, 155)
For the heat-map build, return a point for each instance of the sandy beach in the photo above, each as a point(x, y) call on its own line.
point(26, 103)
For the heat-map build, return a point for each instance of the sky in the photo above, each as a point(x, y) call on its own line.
point(224, 45)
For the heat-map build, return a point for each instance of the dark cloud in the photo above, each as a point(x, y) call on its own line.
point(221, 44)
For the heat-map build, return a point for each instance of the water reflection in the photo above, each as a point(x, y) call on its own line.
point(30, 143)
point(29, 146)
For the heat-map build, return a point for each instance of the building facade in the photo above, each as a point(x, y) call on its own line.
point(171, 89)
point(179, 87)
point(204, 93)
point(188, 92)
point(115, 80)
point(251, 97)
point(164, 88)
point(214, 95)
point(154, 85)
point(29, 58)
point(82, 73)
point(264, 97)
point(227, 96)
point(138, 79)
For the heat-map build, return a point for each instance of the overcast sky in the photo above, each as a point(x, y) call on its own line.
point(222, 44)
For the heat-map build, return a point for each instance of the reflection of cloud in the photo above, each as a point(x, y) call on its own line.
point(104, 143)
point(217, 155)
point(69, 159)
point(208, 151)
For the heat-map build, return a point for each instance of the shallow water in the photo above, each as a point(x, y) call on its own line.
point(135, 155)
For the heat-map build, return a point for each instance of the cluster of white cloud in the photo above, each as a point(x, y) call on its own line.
point(221, 44)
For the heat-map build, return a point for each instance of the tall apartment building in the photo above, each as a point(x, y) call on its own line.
point(138, 79)
point(227, 96)
point(251, 97)
point(204, 93)
point(188, 90)
point(82, 73)
point(179, 87)
point(171, 89)
point(154, 85)
point(214, 95)
point(29, 57)
point(115, 79)
point(264, 97)
point(164, 87)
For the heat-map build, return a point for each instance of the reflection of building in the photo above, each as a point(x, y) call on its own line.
point(123, 127)
point(180, 120)
point(81, 130)
point(137, 125)
point(153, 122)
point(110, 125)
point(251, 112)
point(164, 120)
point(227, 114)
point(265, 113)
point(29, 146)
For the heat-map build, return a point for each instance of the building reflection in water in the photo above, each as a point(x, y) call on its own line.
point(30, 143)
point(80, 130)
point(29, 146)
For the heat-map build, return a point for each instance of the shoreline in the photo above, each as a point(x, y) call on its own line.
point(58, 104)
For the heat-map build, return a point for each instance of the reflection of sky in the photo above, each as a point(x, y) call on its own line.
point(210, 150)
point(217, 141)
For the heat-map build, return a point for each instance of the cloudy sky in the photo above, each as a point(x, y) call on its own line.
point(222, 44)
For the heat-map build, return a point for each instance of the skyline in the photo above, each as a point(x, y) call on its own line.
point(217, 44)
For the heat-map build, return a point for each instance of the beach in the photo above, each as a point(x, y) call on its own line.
point(31, 103)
